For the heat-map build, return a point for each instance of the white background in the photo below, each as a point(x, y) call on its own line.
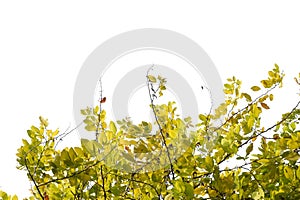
point(43, 45)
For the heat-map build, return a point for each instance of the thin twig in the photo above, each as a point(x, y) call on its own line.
point(244, 108)
point(159, 125)
point(32, 179)
point(103, 183)
point(271, 127)
point(63, 135)
point(99, 125)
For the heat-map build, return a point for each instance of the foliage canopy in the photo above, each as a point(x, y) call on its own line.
point(172, 158)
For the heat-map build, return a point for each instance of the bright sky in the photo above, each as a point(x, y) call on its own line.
point(44, 44)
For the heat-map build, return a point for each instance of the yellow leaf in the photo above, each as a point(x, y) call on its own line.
point(266, 83)
point(43, 121)
point(288, 172)
point(298, 172)
point(271, 97)
point(200, 190)
point(169, 197)
point(14, 197)
point(172, 133)
point(255, 88)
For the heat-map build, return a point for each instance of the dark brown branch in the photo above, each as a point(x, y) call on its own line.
point(70, 176)
point(32, 179)
point(271, 127)
point(159, 126)
point(255, 179)
point(138, 181)
point(103, 183)
point(79, 172)
point(244, 108)
point(262, 132)
point(64, 134)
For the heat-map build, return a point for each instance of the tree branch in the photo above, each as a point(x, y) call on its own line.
point(149, 85)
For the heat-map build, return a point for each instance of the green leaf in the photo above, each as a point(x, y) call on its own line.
point(156, 177)
point(202, 117)
point(249, 149)
point(116, 190)
point(144, 123)
point(189, 191)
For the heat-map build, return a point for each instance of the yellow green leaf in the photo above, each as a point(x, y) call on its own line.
point(179, 186)
point(152, 78)
point(141, 148)
point(112, 127)
point(44, 122)
point(209, 162)
point(247, 96)
point(91, 128)
point(288, 172)
point(249, 149)
point(263, 161)
point(128, 157)
point(202, 117)
point(298, 173)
